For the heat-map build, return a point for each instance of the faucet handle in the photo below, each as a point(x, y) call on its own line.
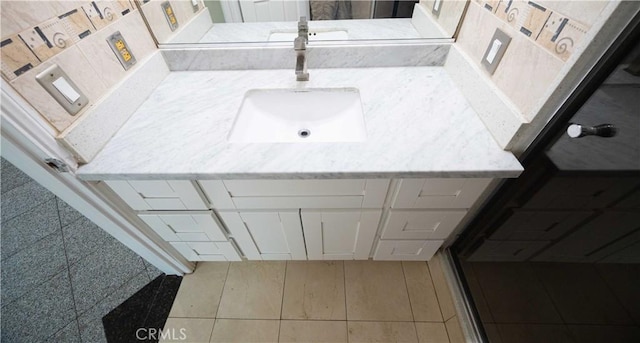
point(302, 24)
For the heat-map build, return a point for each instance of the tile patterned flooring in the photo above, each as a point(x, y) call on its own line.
point(60, 273)
point(315, 301)
point(557, 302)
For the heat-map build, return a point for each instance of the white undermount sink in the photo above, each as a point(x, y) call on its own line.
point(314, 35)
point(299, 115)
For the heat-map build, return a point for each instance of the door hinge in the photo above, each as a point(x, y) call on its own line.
point(57, 165)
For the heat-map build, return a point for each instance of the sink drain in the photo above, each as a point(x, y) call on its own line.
point(304, 133)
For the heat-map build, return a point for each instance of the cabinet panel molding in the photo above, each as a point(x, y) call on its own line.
point(267, 235)
point(421, 224)
point(413, 250)
point(217, 194)
point(339, 235)
point(184, 226)
point(159, 195)
point(207, 251)
point(438, 193)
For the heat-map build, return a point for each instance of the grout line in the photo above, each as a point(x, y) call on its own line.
point(406, 287)
point(344, 281)
point(482, 292)
point(5, 257)
point(224, 284)
point(540, 280)
point(284, 281)
point(66, 256)
point(153, 300)
point(53, 197)
point(613, 293)
point(435, 290)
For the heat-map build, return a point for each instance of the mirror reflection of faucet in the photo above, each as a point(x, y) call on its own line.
point(300, 46)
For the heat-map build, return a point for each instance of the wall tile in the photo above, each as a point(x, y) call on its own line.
point(102, 58)
point(78, 68)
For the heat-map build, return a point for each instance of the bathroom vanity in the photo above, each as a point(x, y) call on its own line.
point(396, 194)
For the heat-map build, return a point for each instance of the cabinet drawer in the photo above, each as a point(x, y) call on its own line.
point(207, 251)
point(536, 225)
point(421, 224)
point(416, 250)
point(581, 192)
point(513, 251)
point(158, 195)
point(185, 226)
point(438, 193)
point(284, 194)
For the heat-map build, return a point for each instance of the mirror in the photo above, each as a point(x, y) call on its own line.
point(239, 21)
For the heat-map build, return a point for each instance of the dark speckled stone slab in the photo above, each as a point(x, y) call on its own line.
point(148, 308)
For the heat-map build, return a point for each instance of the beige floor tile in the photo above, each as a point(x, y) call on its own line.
point(245, 331)
point(313, 331)
point(314, 290)
point(514, 294)
point(537, 333)
point(432, 333)
point(187, 330)
point(454, 330)
point(199, 293)
point(376, 291)
point(253, 290)
point(371, 332)
point(422, 293)
point(580, 294)
point(442, 287)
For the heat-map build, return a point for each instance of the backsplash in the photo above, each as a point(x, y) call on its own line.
point(552, 30)
point(71, 34)
point(448, 15)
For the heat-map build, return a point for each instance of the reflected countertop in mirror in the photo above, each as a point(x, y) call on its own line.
point(355, 30)
point(240, 21)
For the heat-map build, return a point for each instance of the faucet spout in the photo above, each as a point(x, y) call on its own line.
point(300, 46)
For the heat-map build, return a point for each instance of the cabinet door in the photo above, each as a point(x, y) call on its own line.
point(185, 226)
point(207, 251)
point(438, 193)
point(267, 235)
point(421, 224)
point(339, 235)
point(416, 250)
point(158, 195)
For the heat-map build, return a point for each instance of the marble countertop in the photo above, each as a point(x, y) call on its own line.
point(418, 125)
point(358, 29)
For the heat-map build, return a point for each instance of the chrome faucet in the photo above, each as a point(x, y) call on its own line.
point(300, 46)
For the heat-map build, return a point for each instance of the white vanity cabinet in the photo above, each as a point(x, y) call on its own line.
point(178, 214)
point(314, 219)
point(423, 213)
